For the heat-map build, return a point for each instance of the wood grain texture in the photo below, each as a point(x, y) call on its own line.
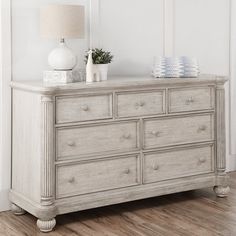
point(189, 99)
point(26, 128)
point(83, 108)
point(160, 166)
point(220, 123)
point(112, 173)
point(178, 130)
point(94, 139)
point(116, 82)
point(109, 161)
point(47, 163)
point(140, 103)
point(195, 213)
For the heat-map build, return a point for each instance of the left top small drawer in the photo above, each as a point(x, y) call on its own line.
point(83, 108)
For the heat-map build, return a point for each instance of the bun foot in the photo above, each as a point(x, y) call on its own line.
point(46, 226)
point(17, 210)
point(222, 191)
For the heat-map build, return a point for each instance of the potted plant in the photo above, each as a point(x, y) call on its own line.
point(101, 59)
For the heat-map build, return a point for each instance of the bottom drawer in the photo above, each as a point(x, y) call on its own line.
point(99, 175)
point(161, 166)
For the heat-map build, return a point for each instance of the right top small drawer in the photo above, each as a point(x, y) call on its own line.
point(191, 99)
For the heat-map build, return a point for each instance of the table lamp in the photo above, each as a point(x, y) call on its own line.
point(62, 22)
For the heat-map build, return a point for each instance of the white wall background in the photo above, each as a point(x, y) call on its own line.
point(135, 31)
point(5, 104)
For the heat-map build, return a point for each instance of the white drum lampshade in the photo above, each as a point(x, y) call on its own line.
point(61, 22)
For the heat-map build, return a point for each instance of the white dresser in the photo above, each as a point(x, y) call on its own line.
point(79, 146)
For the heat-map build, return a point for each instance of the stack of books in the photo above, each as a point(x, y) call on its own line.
point(175, 67)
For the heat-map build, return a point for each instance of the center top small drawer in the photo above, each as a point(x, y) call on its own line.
point(83, 108)
point(142, 103)
point(191, 99)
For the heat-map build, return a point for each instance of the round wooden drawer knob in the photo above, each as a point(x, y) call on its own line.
point(156, 167)
point(71, 143)
point(71, 180)
point(189, 101)
point(202, 160)
point(155, 133)
point(85, 108)
point(140, 104)
point(126, 136)
point(202, 128)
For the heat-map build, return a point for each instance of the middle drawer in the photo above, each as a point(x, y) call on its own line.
point(147, 103)
point(96, 139)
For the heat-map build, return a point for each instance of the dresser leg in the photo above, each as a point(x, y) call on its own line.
point(46, 225)
point(17, 210)
point(222, 191)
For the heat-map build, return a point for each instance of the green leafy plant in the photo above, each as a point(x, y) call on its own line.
point(100, 56)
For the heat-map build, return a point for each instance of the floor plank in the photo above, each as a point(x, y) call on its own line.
point(193, 213)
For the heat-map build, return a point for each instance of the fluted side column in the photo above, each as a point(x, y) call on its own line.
point(47, 162)
point(221, 189)
point(220, 135)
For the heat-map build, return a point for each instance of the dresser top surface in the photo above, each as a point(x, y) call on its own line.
point(115, 82)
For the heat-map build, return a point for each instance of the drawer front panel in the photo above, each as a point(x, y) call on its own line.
point(75, 109)
point(178, 130)
point(140, 104)
point(89, 177)
point(176, 164)
point(87, 140)
point(193, 99)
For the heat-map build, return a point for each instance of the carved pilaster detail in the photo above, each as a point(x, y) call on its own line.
point(220, 135)
point(47, 163)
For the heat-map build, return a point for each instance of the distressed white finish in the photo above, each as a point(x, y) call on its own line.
point(181, 100)
point(140, 103)
point(83, 108)
point(170, 131)
point(74, 141)
point(25, 13)
point(46, 226)
point(197, 160)
point(30, 156)
point(70, 164)
point(17, 210)
point(221, 191)
point(47, 150)
point(96, 176)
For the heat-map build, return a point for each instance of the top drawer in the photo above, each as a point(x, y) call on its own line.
point(134, 104)
point(191, 99)
point(83, 108)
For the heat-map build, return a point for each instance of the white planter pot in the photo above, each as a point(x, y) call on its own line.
point(103, 69)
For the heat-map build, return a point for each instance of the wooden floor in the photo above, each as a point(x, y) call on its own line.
point(194, 213)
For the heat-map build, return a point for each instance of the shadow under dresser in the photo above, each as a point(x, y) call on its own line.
point(78, 146)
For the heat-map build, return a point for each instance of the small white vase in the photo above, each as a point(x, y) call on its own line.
point(90, 69)
point(103, 70)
